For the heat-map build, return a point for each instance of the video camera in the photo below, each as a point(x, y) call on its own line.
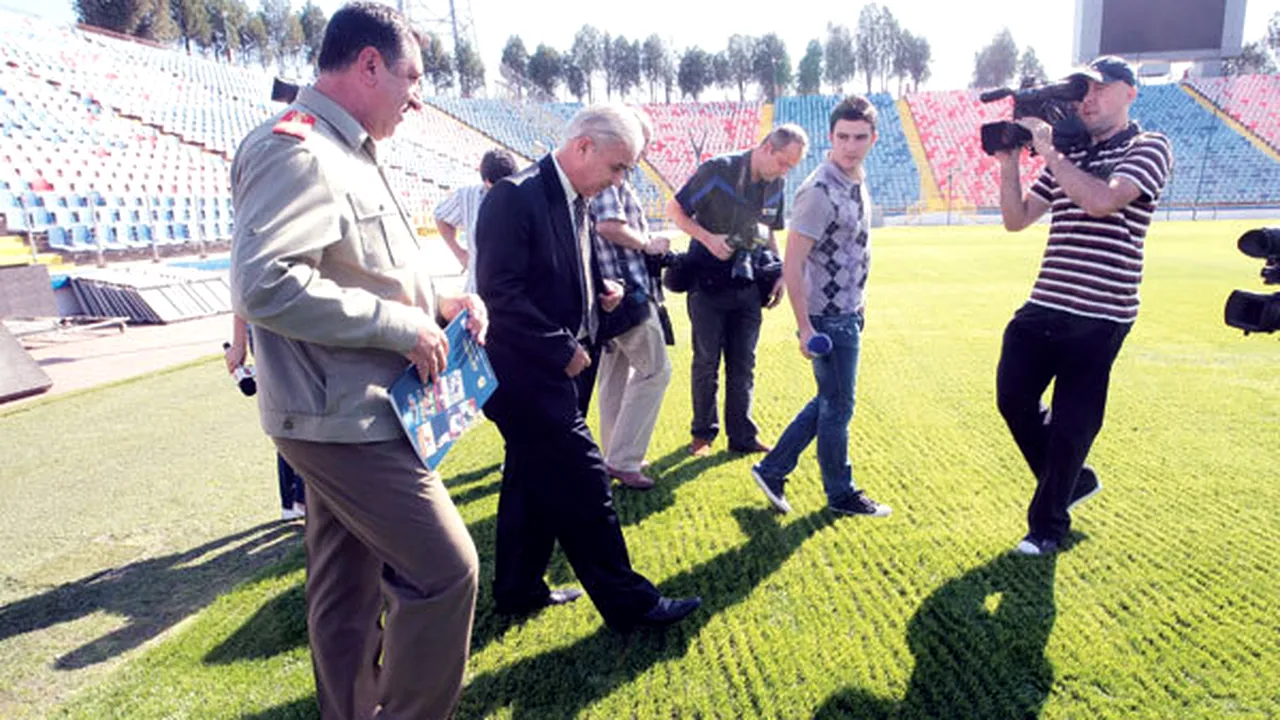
point(1053, 103)
point(1256, 312)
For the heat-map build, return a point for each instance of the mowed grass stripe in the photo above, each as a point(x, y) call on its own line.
point(1161, 609)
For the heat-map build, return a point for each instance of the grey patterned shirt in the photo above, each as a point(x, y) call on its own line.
point(835, 212)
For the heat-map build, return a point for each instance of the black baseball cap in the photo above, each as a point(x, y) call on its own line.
point(1109, 69)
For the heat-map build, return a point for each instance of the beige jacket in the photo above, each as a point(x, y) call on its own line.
point(326, 267)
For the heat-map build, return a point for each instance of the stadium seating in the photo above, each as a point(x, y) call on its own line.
point(1213, 164)
point(1254, 100)
point(109, 144)
point(683, 130)
point(892, 176)
point(531, 130)
point(949, 122)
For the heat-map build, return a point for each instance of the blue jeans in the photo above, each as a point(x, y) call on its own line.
point(828, 414)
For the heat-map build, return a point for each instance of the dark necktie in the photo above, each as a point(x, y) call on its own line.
point(580, 220)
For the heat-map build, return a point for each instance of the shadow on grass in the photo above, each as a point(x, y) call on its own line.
point(454, 482)
point(303, 709)
point(153, 595)
point(978, 643)
point(670, 472)
point(632, 506)
point(279, 626)
point(563, 682)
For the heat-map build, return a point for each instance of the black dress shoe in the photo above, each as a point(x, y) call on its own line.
point(668, 611)
point(555, 597)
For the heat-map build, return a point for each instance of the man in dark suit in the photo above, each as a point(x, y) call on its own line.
point(538, 274)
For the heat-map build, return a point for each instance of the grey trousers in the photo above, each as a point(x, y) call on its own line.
point(382, 534)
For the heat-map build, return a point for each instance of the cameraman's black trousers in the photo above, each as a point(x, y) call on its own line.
point(1040, 345)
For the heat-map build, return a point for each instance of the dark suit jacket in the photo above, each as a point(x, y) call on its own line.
point(527, 272)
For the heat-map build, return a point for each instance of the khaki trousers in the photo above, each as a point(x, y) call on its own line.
point(633, 377)
point(382, 534)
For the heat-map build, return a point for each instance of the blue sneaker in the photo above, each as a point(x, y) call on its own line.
point(772, 490)
point(859, 504)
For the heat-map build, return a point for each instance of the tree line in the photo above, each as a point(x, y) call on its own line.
point(225, 28)
point(271, 34)
point(1257, 57)
point(878, 48)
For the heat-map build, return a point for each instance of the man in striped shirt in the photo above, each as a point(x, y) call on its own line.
point(1085, 298)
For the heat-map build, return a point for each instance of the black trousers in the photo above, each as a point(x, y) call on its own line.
point(555, 488)
point(585, 381)
point(1076, 353)
point(724, 323)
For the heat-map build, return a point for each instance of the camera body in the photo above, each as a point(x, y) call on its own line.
point(745, 243)
point(655, 264)
point(1257, 312)
point(1053, 102)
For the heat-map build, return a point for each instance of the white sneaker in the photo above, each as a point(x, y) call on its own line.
point(297, 512)
point(1036, 546)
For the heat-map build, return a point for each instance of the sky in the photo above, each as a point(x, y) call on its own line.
point(956, 30)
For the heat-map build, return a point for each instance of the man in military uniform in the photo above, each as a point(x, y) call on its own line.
point(325, 265)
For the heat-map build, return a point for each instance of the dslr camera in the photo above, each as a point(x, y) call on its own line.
point(1256, 312)
point(1052, 102)
point(745, 242)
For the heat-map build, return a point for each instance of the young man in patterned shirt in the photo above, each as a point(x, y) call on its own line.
point(1085, 299)
point(825, 271)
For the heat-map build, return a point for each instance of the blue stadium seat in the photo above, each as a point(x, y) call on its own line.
point(58, 238)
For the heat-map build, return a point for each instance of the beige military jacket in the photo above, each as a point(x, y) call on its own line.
point(326, 268)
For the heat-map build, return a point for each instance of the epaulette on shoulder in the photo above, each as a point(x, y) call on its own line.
point(295, 123)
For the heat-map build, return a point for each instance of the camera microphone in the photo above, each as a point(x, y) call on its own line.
point(243, 375)
point(819, 343)
point(997, 94)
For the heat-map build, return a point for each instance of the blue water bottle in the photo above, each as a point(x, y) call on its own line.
point(819, 343)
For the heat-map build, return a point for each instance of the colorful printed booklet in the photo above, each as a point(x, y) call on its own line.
point(435, 415)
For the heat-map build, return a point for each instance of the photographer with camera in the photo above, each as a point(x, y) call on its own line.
point(732, 204)
point(1085, 299)
point(634, 368)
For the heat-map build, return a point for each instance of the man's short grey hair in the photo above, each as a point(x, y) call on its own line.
point(784, 135)
point(605, 124)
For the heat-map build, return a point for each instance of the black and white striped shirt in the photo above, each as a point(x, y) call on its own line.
point(1093, 266)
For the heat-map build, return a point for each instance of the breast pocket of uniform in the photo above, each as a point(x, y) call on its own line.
point(374, 223)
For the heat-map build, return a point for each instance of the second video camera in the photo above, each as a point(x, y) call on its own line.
point(1255, 312)
point(1053, 102)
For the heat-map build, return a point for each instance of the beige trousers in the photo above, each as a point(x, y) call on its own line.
point(383, 535)
point(633, 377)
